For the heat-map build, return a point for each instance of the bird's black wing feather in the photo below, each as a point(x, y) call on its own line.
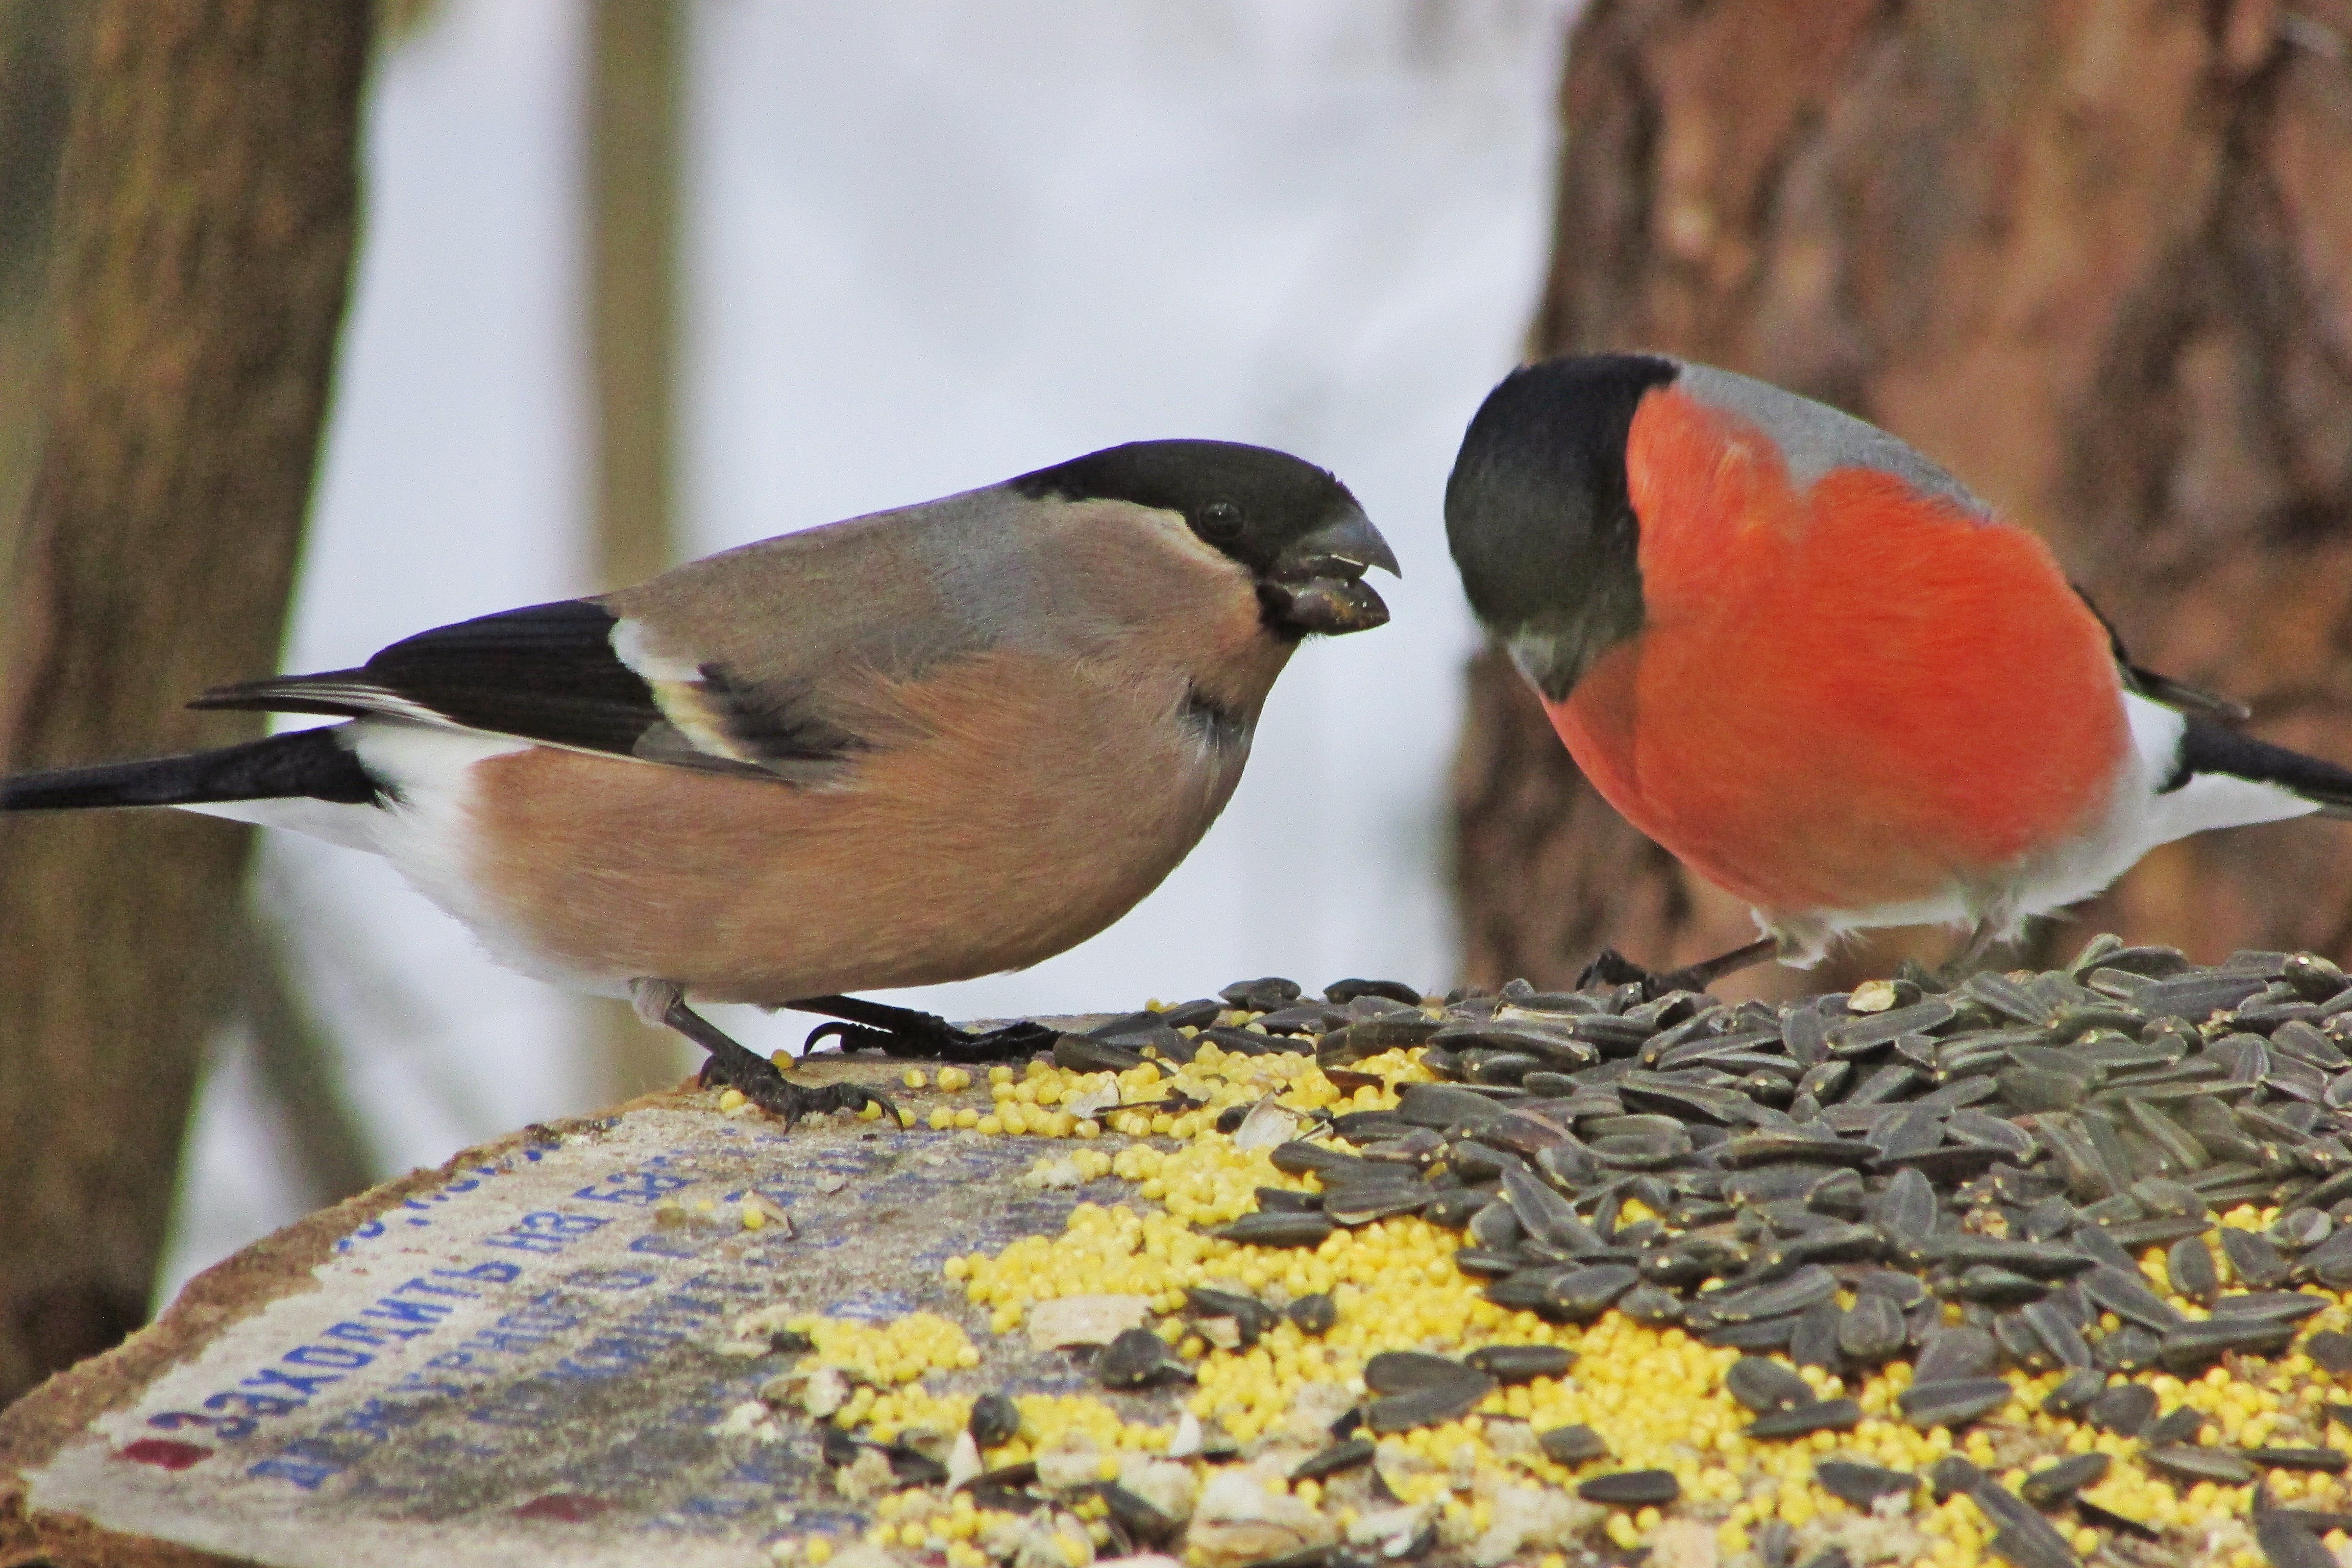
point(549, 673)
point(2209, 748)
point(310, 762)
point(2175, 694)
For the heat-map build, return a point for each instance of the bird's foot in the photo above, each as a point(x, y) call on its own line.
point(861, 1026)
point(1610, 967)
point(733, 1064)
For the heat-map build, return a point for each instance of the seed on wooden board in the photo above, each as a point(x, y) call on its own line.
point(2025, 1546)
point(1651, 1305)
point(1765, 1385)
point(2187, 1463)
point(1580, 1295)
point(2330, 1351)
point(2189, 1266)
point(1342, 992)
point(1278, 1229)
point(2287, 1545)
point(2302, 1228)
point(1805, 1420)
point(1961, 1351)
point(1997, 1288)
point(1402, 1372)
point(1952, 1475)
point(1521, 1363)
point(2192, 1347)
point(2130, 1348)
point(1813, 1340)
point(1862, 1485)
point(1776, 1299)
point(1337, 1460)
point(1632, 1489)
point(994, 1421)
point(2317, 1461)
point(2254, 1259)
point(1314, 1314)
point(2055, 1484)
point(1952, 1403)
point(1423, 1407)
point(1571, 1445)
point(1874, 1330)
point(1139, 1359)
point(2182, 1424)
point(2074, 1393)
point(1262, 995)
point(2060, 1338)
point(2123, 1293)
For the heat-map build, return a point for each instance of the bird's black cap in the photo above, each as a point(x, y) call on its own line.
point(1254, 503)
point(1538, 516)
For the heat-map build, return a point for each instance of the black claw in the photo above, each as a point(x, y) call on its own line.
point(853, 1036)
point(904, 1032)
point(1610, 967)
point(731, 1065)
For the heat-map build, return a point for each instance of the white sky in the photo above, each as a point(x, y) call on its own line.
point(929, 246)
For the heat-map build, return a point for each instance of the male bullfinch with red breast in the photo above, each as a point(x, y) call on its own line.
point(916, 746)
point(1816, 669)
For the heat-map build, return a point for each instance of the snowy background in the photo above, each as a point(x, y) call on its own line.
point(927, 245)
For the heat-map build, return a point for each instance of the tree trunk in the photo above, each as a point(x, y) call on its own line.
point(635, 130)
point(205, 214)
point(2096, 260)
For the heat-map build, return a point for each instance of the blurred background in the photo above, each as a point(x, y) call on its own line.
point(555, 291)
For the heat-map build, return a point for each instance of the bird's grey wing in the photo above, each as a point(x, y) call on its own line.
point(1816, 439)
point(760, 660)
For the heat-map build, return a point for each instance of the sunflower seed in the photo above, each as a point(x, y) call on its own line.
point(1139, 1359)
point(2321, 1461)
point(1521, 1363)
point(1278, 1229)
point(1632, 1489)
point(2124, 1410)
point(1874, 1330)
point(2189, 1266)
point(2074, 1393)
point(1803, 1420)
point(1337, 1460)
point(1960, 1351)
point(1314, 1314)
point(2254, 1259)
point(1862, 1485)
point(2187, 1463)
point(1952, 1403)
point(1571, 1445)
point(2192, 1347)
point(2056, 1484)
point(2287, 1545)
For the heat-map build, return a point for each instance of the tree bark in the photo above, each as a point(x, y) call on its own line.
point(2096, 260)
point(205, 212)
point(636, 130)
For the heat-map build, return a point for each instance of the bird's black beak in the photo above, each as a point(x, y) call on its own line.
point(1317, 584)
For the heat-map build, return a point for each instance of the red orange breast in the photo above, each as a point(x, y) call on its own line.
point(1845, 695)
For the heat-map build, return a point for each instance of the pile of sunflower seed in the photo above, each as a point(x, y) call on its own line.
point(2011, 1143)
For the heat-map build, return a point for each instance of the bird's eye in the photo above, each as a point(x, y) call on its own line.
point(1220, 520)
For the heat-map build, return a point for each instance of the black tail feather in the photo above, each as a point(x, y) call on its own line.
point(306, 763)
point(2209, 748)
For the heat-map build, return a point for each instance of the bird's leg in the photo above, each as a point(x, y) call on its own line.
point(662, 1002)
point(862, 1026)
point(1983, 938)
point(1614, 968)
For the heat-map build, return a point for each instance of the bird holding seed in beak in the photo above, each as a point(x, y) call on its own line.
point(1815, 668)
point(917, 746)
